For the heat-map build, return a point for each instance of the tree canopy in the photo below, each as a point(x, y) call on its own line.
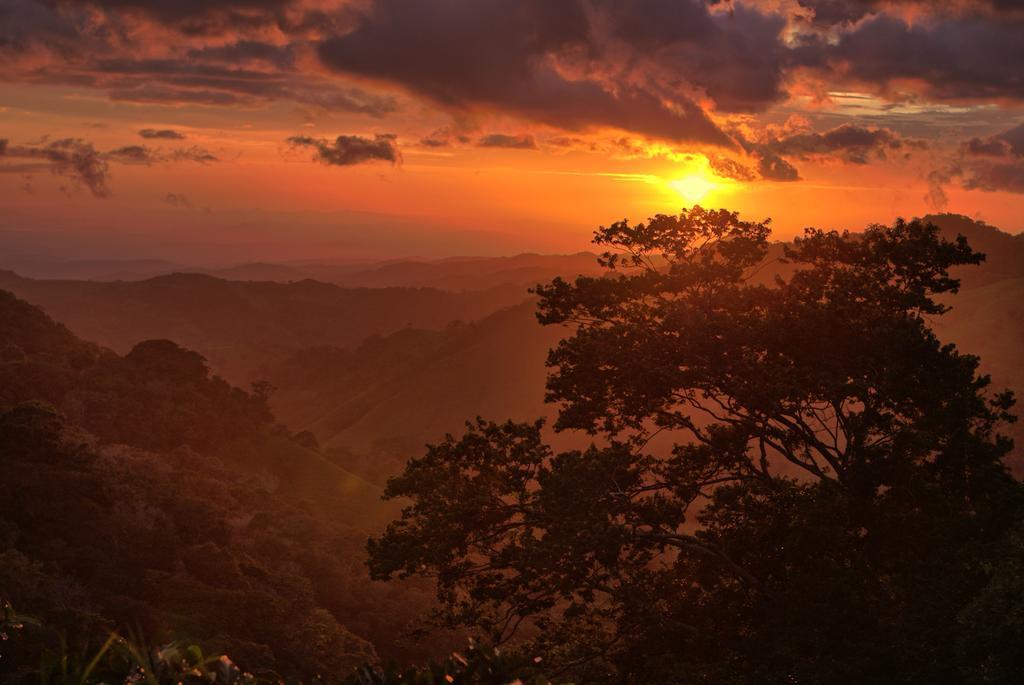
point(792, 480)
point(143, 494)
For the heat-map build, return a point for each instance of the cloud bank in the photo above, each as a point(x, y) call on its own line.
point(681, 72)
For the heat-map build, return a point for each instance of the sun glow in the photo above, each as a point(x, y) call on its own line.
point(692, 188)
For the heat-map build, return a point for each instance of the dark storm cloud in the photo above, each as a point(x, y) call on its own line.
point(158, 94)
point(248, 51)
point(992, 163)
point(162, 134)
point(245, 92)
point(500, 55)
point(987, 147)
point(979, 174)
point(197, 17)
point(350, 150)
point(554, 62)
point(848, 142)
point(105, 52)
point(737, 58)
point(522, 142)
point(178, 80)
point(832, 12)
point(647, 67)
point(23, 23)
point(656, 23)
point(838, 12)
point(992, 177)
point(970, 57)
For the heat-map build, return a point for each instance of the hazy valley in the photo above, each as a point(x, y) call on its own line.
point(382, 360)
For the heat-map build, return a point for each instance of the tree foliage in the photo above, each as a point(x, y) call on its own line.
point(143, 493)
point(794, 481)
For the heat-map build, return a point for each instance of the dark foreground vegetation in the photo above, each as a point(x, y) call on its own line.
point(120, 660)
point(792, 481)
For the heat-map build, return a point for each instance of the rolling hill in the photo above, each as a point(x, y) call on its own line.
point(379, 403)
point(237, 325)
point(146, 494)
point(453, 273)
point(380, 371)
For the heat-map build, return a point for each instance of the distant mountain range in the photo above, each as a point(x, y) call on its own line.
point(387, 397)
point(375, 370)
point(454, 273)
point(1005, 253)
point(240, 325)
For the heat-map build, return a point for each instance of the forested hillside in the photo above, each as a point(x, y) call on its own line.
point(154, 494)
point(240, 325)
point(453, 273)
point(376, 373)
point(141, 492)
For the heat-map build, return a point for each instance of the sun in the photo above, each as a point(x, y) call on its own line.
point(692, 188)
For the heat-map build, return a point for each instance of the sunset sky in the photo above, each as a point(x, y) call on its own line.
point(307, 129)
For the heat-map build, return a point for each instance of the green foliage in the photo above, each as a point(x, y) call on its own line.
point(797, 482)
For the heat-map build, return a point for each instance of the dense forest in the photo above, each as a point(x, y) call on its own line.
point(760, 462)
point(141, 492)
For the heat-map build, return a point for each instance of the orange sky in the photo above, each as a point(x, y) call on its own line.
point(477, 160)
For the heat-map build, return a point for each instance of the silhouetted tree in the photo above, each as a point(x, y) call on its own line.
point(797, 481)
